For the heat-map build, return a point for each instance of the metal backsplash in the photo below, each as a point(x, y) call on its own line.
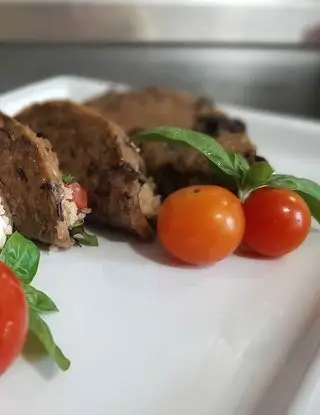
point(278, 80)
point(259, 55)
point(239, 21)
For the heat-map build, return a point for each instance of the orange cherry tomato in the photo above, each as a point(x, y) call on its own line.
point(201, 224)
point(13, 317)
point(277, 221)
point(79, 195)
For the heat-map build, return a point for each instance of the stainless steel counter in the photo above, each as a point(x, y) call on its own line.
point(261, 53)
point(290, 22)
point(274, 79)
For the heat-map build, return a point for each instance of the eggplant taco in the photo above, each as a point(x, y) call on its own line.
point(34, 198)
point(174, 166)
point(151, 107)
point(99, 155)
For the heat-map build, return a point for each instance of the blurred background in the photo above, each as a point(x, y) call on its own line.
point(260, 53)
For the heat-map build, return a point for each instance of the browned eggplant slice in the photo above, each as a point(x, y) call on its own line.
point(175, 166)
point(98, 154)
point(31, 184)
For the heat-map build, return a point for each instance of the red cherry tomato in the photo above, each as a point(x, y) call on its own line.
point(79, 195)
point(13, 317)
point(277, 221)
point(201, 224)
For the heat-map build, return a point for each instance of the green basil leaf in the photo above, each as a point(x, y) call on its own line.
point(31, 295)
point(208, 146)
point(239, 162)
point(308, 190)
point(313, 204)
point(22, 256)
point(38, 300)
point(67, 178)
point(82, 237)
point(41, 330)
point(296, 184)
point(258, 175)
point(77, 224)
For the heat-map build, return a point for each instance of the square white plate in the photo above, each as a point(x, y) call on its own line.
point(148, 338)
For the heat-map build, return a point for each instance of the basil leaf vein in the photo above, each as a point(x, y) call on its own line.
point(219, 158)
point(67, 178)
point(239, 162)
point(38, 300)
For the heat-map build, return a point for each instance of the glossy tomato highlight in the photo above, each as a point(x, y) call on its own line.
point(277, 221)
point(201, 224)
point(13, 317)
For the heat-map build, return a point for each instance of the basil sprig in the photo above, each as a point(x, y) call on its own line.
point(258, 174)
point(224, 163)
point(233, 168)
point(67, 178)
point(78, 233)
point(22, 256)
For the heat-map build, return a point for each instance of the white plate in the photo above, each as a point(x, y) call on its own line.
point(307, 399)
point(147, 338)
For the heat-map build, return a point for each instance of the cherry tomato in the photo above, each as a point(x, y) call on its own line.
point(79, 195)
point(277, 221)
point(13, 317)
point(201, 224)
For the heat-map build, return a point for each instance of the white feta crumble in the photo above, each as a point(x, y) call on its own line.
point(5, 225)
point(71, 213)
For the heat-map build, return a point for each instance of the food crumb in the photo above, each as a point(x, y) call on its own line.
point(53, 248)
